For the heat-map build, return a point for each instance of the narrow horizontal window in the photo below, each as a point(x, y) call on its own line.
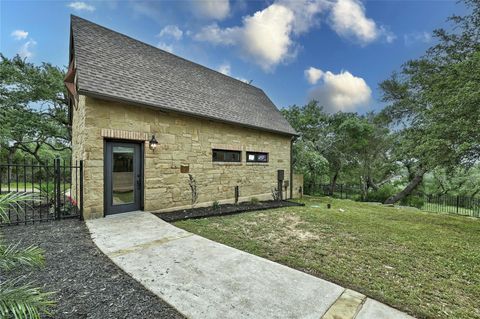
point(257, 157)
point(226, 156)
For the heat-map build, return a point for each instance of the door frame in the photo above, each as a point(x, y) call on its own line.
point(141, 169)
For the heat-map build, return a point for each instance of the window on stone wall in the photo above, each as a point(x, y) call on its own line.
point(226, 156)
point(257, 157)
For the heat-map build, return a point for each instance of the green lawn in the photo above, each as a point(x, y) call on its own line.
point(422, 263)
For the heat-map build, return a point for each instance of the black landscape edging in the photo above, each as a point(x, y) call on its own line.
point(222, 210)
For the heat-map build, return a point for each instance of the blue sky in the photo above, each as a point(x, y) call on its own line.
point(336, 51)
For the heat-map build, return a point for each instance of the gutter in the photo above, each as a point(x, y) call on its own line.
point(291, 165)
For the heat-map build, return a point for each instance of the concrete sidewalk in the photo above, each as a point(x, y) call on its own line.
point(205, 279)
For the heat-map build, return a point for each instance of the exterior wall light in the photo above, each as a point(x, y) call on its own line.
point(153, 143)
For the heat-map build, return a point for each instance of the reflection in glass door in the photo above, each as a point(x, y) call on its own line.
point(123, 180)
point(123, 177)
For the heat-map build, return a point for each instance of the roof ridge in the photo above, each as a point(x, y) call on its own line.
point(72, 16)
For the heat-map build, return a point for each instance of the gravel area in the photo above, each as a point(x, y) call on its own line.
point(225, 209)
point(86, 283)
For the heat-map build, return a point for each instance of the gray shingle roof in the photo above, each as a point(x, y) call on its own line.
point(115, 66)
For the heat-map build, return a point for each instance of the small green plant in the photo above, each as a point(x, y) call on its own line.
point(192, 182)
point(216, 205)
point(14, 201)
point(18, 300)
point(48, 193)
point(275, 194)
point(254, 200)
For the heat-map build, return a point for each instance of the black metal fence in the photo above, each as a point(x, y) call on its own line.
point(461, 205)
point(447, 204)
point(341, 191)
point(56, 187)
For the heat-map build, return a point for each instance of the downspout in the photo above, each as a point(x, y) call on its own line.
point(291, 166)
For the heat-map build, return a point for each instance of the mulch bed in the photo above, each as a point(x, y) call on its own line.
point(86, 283)
point(225, 209)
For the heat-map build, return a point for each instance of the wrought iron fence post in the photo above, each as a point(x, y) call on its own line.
point(458, 202)
point(81, 189)
point(57, 187)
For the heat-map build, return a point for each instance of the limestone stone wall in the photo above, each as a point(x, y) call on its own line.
point(183, 141)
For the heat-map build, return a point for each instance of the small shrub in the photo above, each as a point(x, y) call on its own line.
point(192, 182)
point(381, 194)
point(216, 205)
point(413, 201)
point(254, 200)
point(275, 194)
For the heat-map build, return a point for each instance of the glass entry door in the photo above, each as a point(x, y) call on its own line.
point(123, 177)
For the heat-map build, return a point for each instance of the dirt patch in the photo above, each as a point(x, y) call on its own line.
point(291, 228)
point(86, 283)
point(226, 209)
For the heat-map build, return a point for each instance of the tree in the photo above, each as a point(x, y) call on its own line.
point(332, 144)
point(308, 161)
point(434, 100)
point(33, 108)
point(310, 123)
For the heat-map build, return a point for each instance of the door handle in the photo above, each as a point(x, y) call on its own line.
point(139, 183)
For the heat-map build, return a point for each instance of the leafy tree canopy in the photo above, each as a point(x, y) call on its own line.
point(33, 108)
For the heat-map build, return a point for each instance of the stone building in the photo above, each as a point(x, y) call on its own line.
point(158, 132)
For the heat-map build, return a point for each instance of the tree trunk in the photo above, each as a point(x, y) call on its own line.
point(416, 180)
point(475, 193)
point(333, 184)
point(10, 157)
point(364, 186)
point(371, 184)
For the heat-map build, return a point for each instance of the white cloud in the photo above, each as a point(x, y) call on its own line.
point(19, 34)
point(390, 37)
point(306, 13)
point(25, 50)
point(211, 9)
point(172, 31)
point(341, 92)
point(417, 37)
point(268, 37)
point(224, 68)
point(216, 35)
point(81, 6)
point(265, 37)
point(313, 75)
point(166, 47)
point(348, 20)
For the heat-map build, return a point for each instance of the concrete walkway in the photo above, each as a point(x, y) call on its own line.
point(205, 279)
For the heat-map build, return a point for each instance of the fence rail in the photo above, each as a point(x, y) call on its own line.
point(58, 183)
point(461, 205)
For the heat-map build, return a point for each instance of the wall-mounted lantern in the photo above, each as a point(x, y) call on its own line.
point(153, 143)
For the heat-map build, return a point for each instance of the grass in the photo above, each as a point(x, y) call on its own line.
point(425, 264)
